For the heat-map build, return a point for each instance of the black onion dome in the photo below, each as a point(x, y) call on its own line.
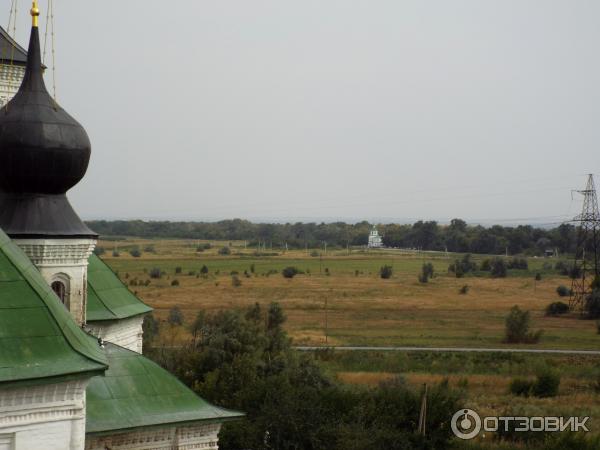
point(43, 153)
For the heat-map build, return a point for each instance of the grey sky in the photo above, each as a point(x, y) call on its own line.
point(486, 110)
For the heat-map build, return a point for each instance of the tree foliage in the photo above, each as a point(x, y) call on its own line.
point(243, 360)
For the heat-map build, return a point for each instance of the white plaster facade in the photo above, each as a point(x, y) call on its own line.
point(10, 81)
point(124, 332)
point(66, 261)
point(46, 417)
point(193, 437)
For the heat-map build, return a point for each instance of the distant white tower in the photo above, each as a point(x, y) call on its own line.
point(374, 239)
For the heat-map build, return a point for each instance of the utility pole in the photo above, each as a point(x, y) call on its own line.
point(423, 412)
point(326, 325)
point(586, 252)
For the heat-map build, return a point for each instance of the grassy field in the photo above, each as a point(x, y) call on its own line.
point(362, 308)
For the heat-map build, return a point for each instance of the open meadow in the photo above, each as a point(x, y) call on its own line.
point(340, 299)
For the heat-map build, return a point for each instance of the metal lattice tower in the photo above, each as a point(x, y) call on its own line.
point(586, 253)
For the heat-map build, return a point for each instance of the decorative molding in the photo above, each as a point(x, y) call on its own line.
point(57, 252)
point(193, 437)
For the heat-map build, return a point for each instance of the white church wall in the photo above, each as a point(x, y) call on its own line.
point(10, 80)
point(64, 260)
point(47, 417)
point(125, 332)
point(193, 437)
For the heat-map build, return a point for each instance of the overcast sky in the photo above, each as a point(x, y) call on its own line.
point(326, 109)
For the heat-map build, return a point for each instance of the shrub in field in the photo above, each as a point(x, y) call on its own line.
point(191, 273)
point(150, 249)
point(592, 305)
point(116, 253)
point(224, 251)
point(175, 316)
point(327, 271)
point(135, 252)
point(464, 290)
point(385, 272)
point(175, 282)
point(563, 291)
point(204, 270)
point(235, 281)
point(518, 263)
point(521, 387)
point(486, 265)
point(289, 272)
point(538, 277)
point(252, 268)
point(178, 269)
point(557, 308)
point(498, 268)
point(314, 253)
point(517, 328)
point(546, 384)
point(155, 272)
point(462, 266)
point(99, 251)
point(426, 272)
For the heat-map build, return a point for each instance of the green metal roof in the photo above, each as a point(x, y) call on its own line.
point(38, 337)
point(108, 298)
point(135, 392)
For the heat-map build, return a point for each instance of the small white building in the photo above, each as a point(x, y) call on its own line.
point(375, 241)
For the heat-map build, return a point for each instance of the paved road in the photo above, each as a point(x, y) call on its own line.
point(452, 349)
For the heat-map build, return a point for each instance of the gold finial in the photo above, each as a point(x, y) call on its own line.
point(35, 12)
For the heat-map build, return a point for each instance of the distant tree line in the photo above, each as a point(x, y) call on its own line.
point(458, 236)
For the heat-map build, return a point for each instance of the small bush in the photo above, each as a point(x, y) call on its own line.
point(252, 268)
point(426, 272)
point(191, 273)
point(464, 290)
point(592, 305)
point(235, 281)
point(557, 308)
point(498, 268)
point(563, 291)
point(314, 253)
point(327, 271)
point(155, 272)
point(518, 263)
point(546, 384)
point(175, 316)
point(521, 387)
point(289, 272)
point(385, 272)
point(204, 270)
point(116, 253)
point(150, 249)
point(224, 251)
point(99, 251)
point(538, 277)
point(177, 269)
point(486, 265)
point(462, 266)
point(175, 282)
point(517, 328)
point(135, 252)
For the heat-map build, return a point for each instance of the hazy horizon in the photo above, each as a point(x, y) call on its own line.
point(487, 111)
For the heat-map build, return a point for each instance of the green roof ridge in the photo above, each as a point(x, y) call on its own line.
point(135, 393)
point(38, 336)
point(108, 297)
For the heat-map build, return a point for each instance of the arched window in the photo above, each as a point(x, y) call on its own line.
point(60, 290)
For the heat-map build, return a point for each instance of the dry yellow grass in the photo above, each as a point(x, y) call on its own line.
point(363, 309)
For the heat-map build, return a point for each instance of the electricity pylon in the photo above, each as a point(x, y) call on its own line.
point(586, 252)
